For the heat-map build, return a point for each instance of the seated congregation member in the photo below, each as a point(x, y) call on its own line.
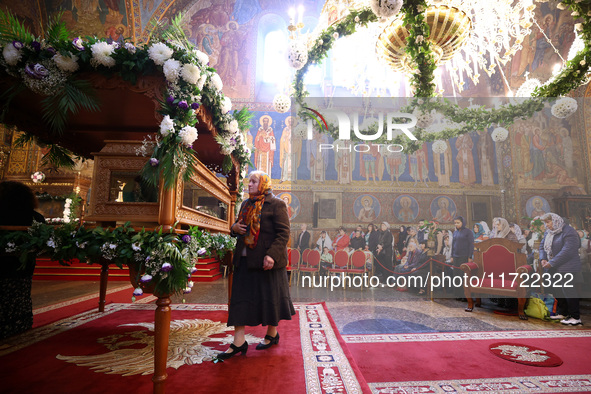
point(341, 241)
point(504, 230)
point(260, 290)
point(479, 233)
point(323, 241)
point(415, 263)
point(17, 208)
point(559, 253)
point(357, 242)
point(326, 261)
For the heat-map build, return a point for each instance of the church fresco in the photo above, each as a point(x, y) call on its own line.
point(366, 208)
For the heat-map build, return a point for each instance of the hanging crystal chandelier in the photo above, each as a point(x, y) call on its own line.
point(469, 37)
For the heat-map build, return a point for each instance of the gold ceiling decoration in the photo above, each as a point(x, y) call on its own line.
point(449, 30)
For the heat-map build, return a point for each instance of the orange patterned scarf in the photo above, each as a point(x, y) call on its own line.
point(251, 211)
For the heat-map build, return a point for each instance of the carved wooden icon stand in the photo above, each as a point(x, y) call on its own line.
point(128, 115)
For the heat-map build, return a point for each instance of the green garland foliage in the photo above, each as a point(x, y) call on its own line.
point(167, 257)
point(468, 120)
point(54, 66)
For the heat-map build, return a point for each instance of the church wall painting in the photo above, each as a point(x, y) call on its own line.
point(537, 206)
point(443, 209)
point(406, 209)
point(292, 202)
point(366, 208)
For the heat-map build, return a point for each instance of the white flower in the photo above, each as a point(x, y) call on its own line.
point(201, 81)
point(357, 19)
point(112, 246)
point(499, 134)
point(226, 105)
point(130, 47)
point(420, 101)
point(10, 247)
point(233, 127)
point(216, 82)
point(66, 212)
point(159, 53)
point(11, 55)
point(136, 247)
point(420, 8)
point(582, 62)
point(171, 70)
point(420, 39)
point(579, 26)
point(297, 54)
point(166, 126)
point(188, 135)
point(320, 42)
point(66, 63)
point(191, 73)
point(335, 35)
point(51, 243)
point(574, 13)
point(101, 54)
point(561, 6)
point(201, 56)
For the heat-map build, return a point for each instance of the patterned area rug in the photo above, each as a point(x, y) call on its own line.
point(112, 352)
point(463, 363)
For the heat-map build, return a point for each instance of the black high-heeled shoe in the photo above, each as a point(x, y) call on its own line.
point(235, 350)
point(272, 341)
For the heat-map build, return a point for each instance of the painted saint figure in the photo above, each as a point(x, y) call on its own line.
point(265, 146)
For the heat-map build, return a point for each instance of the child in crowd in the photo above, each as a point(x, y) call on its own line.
point(326, 261)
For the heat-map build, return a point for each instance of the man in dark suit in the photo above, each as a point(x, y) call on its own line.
point(303, 240)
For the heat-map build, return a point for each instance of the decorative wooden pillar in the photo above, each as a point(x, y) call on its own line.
point(166, 213)
point(161, 333)
point(103, 286)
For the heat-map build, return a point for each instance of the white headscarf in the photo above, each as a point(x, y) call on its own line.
point(504, 228)
point(485, 228)
point(518, 232)
point(557, 225)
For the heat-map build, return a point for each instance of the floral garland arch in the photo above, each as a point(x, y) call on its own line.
point(465, 120)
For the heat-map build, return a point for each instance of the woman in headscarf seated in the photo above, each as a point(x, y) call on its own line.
point(503, 230)
point(480, 233)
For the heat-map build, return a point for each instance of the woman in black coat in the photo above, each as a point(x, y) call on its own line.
point(384, 250)
point(260, 289)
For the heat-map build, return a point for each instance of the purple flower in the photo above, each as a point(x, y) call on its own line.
point(166, 267)
point(201, 251)
point(154, 162)
point(170, 100)
point(77, 42)
point(183, 104)
point(36, 71)
point(193, 270)
point(51, 50)
point(146, 278)
point(138, 292)
point(36, 45)
point(187, 290)
point(17, 44)
point(194, 105)
point(186, 239)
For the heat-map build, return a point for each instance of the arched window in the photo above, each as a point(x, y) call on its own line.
point(275, 67)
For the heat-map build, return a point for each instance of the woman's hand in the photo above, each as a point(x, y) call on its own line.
point(239, 227)
point(268, 262)
point(546, 264)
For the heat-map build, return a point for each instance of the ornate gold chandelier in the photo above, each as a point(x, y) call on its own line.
point(468, 37)
point(449, 30)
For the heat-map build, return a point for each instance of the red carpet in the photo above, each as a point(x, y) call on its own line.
point(112, 352)
point(52, 313)
point(443, 362)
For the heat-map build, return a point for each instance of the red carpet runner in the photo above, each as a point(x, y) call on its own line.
point(112, 352)
point(462, 362)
